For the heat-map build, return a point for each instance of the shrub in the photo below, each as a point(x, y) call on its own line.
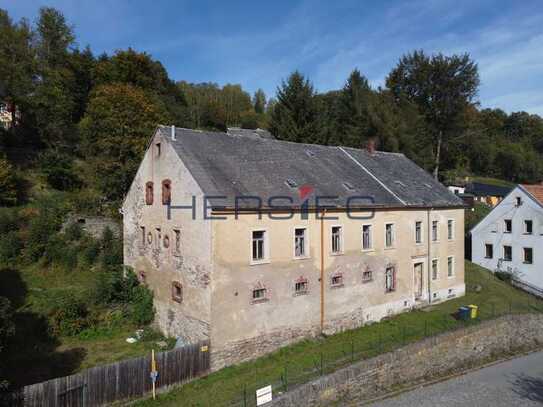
point(9, 220)
point(59, 172)
point(8, 183)
point(504, 276)
point(73, 231)
point(69, 315)
point(10, 246)
point(112, 249)
point(41, 229)
point(142, 309)
point(90, 250)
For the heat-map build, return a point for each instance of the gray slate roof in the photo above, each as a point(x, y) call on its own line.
point(235, 165)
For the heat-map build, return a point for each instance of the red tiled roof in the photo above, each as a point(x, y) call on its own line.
point(536, 191)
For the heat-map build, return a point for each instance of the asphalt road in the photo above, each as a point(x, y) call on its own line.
point(517, 382)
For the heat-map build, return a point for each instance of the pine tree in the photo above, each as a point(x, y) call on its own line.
point(294, 115)
point(355, 109)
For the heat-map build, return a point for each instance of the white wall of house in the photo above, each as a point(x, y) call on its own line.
point(492, 231)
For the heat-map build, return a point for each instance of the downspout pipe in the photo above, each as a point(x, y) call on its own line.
point(322, 270)
point(429, 255)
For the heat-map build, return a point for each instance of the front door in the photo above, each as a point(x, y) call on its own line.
point(418, 269)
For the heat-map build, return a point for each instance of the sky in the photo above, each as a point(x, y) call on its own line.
point(258, 44)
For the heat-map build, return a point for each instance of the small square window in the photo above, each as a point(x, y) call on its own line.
point(528, 227)
point(259, 295)
point(177, 292)
point(489, 251)
point(301, 287)
point(367, 276)
point(528, 255)
point(337, 280)
point(508, 226)
point(507, 253)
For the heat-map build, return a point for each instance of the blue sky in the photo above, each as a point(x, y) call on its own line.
point(259, 43)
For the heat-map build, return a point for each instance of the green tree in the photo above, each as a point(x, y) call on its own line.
point(356, 101)
point(17, 66)
point(259, 101)
point(118, 122)
point(294, 116)
point(8, 183)
point(55, 36)
point(441, 86)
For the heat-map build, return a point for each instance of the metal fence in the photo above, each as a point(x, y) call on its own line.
point(351, 351)
point(126, 379)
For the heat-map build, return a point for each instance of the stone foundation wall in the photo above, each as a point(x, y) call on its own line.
point(242, 351)
point(432, 357)
point(174, 323)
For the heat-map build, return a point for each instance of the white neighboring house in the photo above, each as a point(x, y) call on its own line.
point(510, 236)
point(455, 189)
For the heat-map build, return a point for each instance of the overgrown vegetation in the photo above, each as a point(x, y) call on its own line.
point(64, 286)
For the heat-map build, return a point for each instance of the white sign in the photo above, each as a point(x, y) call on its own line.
point(263, 395)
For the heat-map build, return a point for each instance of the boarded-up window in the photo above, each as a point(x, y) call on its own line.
point(177, 291)
point(166, 192)
point(149, 193)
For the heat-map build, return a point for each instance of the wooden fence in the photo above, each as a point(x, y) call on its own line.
point(117, 381)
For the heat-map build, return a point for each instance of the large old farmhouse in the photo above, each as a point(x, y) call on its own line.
point(253, 242)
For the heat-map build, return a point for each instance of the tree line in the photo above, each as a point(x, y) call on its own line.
point(84, 119)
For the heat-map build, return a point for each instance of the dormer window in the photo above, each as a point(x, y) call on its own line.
point(149, 193)
point(291, 183)
point(166, 192)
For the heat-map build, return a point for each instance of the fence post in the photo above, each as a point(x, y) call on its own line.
point(322, 366)
point(286, 378)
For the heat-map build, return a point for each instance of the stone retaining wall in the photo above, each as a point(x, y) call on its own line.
point(429, 358)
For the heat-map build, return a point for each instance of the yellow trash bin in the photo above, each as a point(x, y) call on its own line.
point(473, 311)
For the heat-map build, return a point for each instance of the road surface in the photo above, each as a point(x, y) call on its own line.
point(517, 382)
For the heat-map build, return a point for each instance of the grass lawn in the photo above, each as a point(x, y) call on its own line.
point(305, 360)
point(492, 181)
point(38, 355)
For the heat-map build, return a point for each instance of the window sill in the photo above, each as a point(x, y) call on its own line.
point(177, 300)
point(390, 248)
point(297, 294)
point(371, 249)
point(259, 262)
point(337, 254)
point(260, 301)
point(419, 243)
point(449, 277)
point(301, 257)
point(337, 285)
point(489, 258)
point(508, 261)
point(390, 291)
point(527, 263)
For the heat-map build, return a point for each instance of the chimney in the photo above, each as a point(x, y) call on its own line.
point(370, 146)
point(173, 133)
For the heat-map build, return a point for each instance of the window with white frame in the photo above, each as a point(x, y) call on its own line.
point(389, 235)
point(418, 232)
point(507, 225)
point(336, 239)
point(435, 269)
point(301, 286)
point(450, 266)
point(507, 253)
point(489, 251)
point(367, 275)
point(259, 245)
point(450, 229)
point(435, 230)
point(366, 237)
point(390, 279)
point(300, 242)
point(259, 294)
point(528, 255)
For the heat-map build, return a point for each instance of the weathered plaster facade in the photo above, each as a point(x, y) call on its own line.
point(215, 269)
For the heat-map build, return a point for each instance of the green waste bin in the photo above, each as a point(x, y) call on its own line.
point(473, 311)
point(464, 313)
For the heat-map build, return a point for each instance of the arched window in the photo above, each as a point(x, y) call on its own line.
point(166, 192)
point(149, 193)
